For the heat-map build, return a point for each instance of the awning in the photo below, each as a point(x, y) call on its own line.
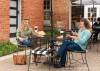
point(86, 2)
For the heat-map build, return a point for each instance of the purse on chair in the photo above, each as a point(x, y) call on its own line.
point(19, 59)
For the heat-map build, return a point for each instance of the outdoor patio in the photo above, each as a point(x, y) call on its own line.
point(50, 16)
point(93, 57)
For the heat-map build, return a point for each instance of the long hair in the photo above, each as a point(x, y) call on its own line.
point(86, 23)
point(23, 25)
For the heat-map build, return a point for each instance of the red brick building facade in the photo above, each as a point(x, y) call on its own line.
point(4, 19)
point(32, 10)
point(61, 13)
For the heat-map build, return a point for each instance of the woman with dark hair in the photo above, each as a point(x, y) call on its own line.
point(79, 42)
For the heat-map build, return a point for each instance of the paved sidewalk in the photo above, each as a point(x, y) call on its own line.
point(93, 57)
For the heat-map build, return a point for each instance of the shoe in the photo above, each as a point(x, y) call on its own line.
point(58, 66)
point(63, 65)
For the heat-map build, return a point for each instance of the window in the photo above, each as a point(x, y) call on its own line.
point(47, 9)
point(47, 12)
point(92, 13)
point(47, 4)
point(15, 16)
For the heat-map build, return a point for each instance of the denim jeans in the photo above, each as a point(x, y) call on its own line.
point(27, 42)
point(67, 45)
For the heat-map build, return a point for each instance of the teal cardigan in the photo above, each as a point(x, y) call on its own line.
point(84, 34)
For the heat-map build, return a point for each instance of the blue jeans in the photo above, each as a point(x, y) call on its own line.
point(67, 45)
point(26, 42)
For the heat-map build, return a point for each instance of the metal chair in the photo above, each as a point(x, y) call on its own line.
point(20, 45)
point(38, 50)
point(83, 56)
point(94, 42)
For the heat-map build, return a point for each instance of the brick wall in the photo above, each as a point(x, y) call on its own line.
point(4, 20)
point(33, 9)
point(61, 13)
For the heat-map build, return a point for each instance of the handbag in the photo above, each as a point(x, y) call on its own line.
point(19, 59)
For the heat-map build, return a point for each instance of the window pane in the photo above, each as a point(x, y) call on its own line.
point(88, 9)
point(47, 9)
point(95, 9)
point(44, 4)
point(88, 14)
point(91, 9)
point(94, 15)
point(48, 4)
point(47, 15)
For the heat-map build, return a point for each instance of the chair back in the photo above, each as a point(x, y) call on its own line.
point(88, 41)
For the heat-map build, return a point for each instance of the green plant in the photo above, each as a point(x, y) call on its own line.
point(55, 32)
point(7, 48)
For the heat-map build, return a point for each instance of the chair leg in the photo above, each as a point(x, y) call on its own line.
point(29, 60)
point(72, 55)
point(25, 53)
point(82, 58)
point(69, 59)
point(97, 47)
point(90, 45)
point(87, 62)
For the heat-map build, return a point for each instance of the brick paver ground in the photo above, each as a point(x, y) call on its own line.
point(93, 57)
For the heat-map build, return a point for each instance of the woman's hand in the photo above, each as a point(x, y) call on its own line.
point(39, 34)
point(74, 33)
point(60, 37)
point(71, 37)
point(20, 39)
point(68, 36)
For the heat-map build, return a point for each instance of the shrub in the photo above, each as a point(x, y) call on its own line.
point(7, 48)
point(55, 32)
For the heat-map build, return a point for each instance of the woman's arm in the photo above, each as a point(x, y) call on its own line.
point(18, 36)
point(74, 36)
point(36, 34)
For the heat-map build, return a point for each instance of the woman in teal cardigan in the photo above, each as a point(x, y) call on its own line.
point(79, 43)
